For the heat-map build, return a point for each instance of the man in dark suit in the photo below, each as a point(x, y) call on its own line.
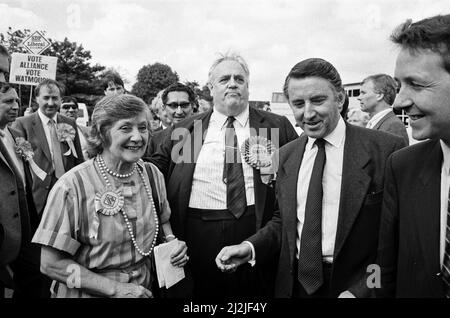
point(216, 196)
point(52, 155)
point(329, 190)
point(376, 98)
point(19, 259)
point(414, 247)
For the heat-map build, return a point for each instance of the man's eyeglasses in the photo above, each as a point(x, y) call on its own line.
point(67, 106)
point(176, 105)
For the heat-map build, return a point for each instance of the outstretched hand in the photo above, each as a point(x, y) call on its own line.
point(231, 257)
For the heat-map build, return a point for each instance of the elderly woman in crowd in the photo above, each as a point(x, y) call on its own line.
point(102, 218)
point(357, 117)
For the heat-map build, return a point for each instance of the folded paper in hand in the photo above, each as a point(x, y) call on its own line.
point(168, 275)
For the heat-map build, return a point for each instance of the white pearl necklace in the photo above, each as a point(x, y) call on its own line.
point(102, 162)
point(102, 166)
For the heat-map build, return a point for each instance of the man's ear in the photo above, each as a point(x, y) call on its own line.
point(380, 97)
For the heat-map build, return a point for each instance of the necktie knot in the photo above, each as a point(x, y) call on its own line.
point(51, 122)
point(230, 121)
point(320, 143)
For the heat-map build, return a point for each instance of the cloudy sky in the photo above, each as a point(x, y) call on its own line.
point(272, 35)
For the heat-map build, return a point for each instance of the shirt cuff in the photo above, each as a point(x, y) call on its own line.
point(252, 260)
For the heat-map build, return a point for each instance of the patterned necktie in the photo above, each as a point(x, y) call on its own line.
point(310, 272)
point(445, 270)
point(233, 174)
point(56, 146)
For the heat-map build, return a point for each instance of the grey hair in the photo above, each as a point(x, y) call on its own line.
point(228, 56)
point(107, 112)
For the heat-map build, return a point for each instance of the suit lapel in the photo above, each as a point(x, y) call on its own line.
point(287, 192)
point(354, 186)
point(38, 131)
point(428, 212)
point(258, 127)
point(382, 120)
point(183, 172)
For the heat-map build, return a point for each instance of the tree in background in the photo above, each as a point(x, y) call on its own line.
point(74, 70)
point(151, 79)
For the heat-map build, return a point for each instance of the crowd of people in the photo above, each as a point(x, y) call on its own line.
point(346, 209)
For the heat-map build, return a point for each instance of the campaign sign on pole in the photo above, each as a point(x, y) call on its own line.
point(36, 43)
point(30, 69)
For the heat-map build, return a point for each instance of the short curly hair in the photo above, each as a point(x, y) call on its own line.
point(107, 112)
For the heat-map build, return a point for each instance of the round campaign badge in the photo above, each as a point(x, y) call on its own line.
point(109, 202)
point(258, 152)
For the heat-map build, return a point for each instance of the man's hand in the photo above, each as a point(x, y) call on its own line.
point(231, 257)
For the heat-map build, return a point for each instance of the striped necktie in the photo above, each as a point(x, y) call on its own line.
point(233, 173)
point(445, 270)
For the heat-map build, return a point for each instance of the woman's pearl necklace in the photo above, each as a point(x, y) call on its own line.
point(102, 166)
point(102, 162)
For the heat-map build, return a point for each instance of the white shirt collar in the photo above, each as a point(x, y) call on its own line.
point(446, 154)
point(335, 138)
point(45, 119)
point(221, 119)
point(377, 117)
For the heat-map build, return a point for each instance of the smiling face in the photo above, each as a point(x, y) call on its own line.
point(49, 100)
point(9, 107)
point(315, 104)
point(128, 140)
point(178, 106)
point(424, 93)
point(229, 88)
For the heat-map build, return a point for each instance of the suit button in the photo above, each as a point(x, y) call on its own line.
point(438, 274)
point(13, 192)
point(47, 187)
point(16, 215)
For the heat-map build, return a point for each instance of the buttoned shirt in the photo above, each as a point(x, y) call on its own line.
point(45, 121)
point(331, 182)
point(445, 185)
point(377, 117)
point(208, 189)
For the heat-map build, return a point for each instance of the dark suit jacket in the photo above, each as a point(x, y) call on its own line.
point(365, 155)
point(179, 176)
point(392, 124)
point(410, 224)
point(32, 129)
point(18, 217)
point(155, 140)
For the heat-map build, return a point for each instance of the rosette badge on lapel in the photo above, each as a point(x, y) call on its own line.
point(258, 152)
point(66, 133)
point(24, 149)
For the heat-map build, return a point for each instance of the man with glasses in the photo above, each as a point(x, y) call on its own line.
point(69, 108)
point(178, 103)
point(217, 195)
